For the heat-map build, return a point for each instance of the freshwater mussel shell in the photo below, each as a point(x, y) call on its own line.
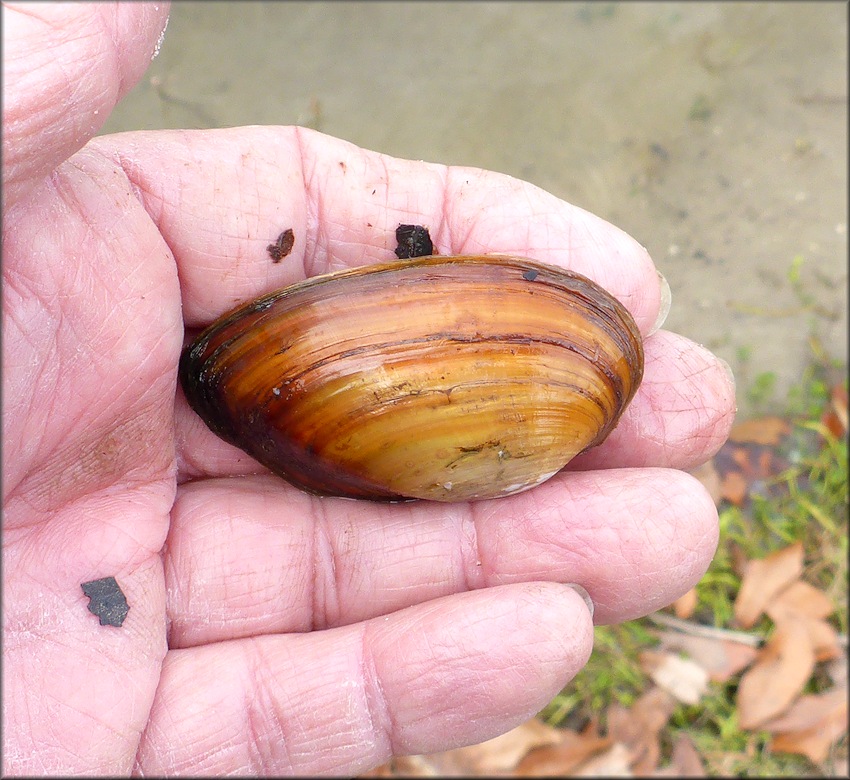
point(443, 378)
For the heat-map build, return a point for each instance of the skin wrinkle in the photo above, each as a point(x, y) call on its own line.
point(324, 613)
point(384, 729)
point(264, 718)
point(173, 593)
point(182, 582)
point(152, 203)
point(44, 358)
point(473, 564)
point(37, 430)
point(456, 179)
point(312, 207)
point(159, 724)
point(441, 233)
point(385, 180)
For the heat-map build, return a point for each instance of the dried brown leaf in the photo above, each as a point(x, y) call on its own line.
point(684, 606)
point(746, 468)
point(777, 677)
point(808, 711)
point(738, 656)
point(404, 766)
point(499, 755)
point(824, 639)
point(805, 602)
point(686, 761)
point(638, 728)
point(721, 658)
point(803, 599)
point(812, 725)
point(614, 762)
point(835, 417)
point(764, 579)
point(734, 488)
point(837, 670)
point(563, 758)
point(384, 770)
point(681, 677)
point(763, 430)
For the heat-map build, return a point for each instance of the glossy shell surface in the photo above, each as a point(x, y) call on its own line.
point(442, 378)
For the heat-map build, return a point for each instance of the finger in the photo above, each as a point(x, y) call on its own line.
point(254, 556)
point(63, 73)
point(221, 197)
point(680, 415)
point(443, 674)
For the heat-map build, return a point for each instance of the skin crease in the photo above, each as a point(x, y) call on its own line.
point(271, 632)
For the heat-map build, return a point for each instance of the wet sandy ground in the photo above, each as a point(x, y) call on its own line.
point(715, 133)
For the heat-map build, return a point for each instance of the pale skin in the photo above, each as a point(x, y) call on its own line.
point(270, 631)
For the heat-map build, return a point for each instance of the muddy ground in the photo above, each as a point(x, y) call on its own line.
point(715, 133)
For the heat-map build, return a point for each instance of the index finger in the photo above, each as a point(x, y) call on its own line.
point(222, 197)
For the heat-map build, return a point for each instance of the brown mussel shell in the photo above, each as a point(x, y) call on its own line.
point(442, 378)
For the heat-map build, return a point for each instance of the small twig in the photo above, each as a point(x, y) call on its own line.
point(695, 629)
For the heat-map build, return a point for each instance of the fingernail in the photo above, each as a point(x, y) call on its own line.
point(583, 593)
point(728, 370)
point(666, 303)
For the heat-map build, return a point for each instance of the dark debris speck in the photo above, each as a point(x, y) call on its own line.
point(530, 275)
point(106, 600)
point(413, 241)
point(282, 247)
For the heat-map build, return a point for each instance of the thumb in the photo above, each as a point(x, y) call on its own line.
point(65, 66)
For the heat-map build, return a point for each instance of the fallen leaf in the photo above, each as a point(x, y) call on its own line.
point(614, 762)
point(812, 725)
point(722, 659)
point(404, 766)
point(762, 430)
point(734, 488)
point(763, 579)
point(824, 639)
point(384, 770)
point(638, 728)
point(837, 670)
point(777, 677)
point(835, 416)
point(685, 762)
point(738, 657)
point(681, 677)
point(684, 606)
point(561, 759)
point(740, 562)
point(747, 468)
point(498, 755)
point(808, 711)
point(803, 599)
point(805, 602)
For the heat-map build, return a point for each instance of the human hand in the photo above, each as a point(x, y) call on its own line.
point(271, 631)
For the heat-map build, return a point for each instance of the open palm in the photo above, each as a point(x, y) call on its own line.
point(271, 631)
